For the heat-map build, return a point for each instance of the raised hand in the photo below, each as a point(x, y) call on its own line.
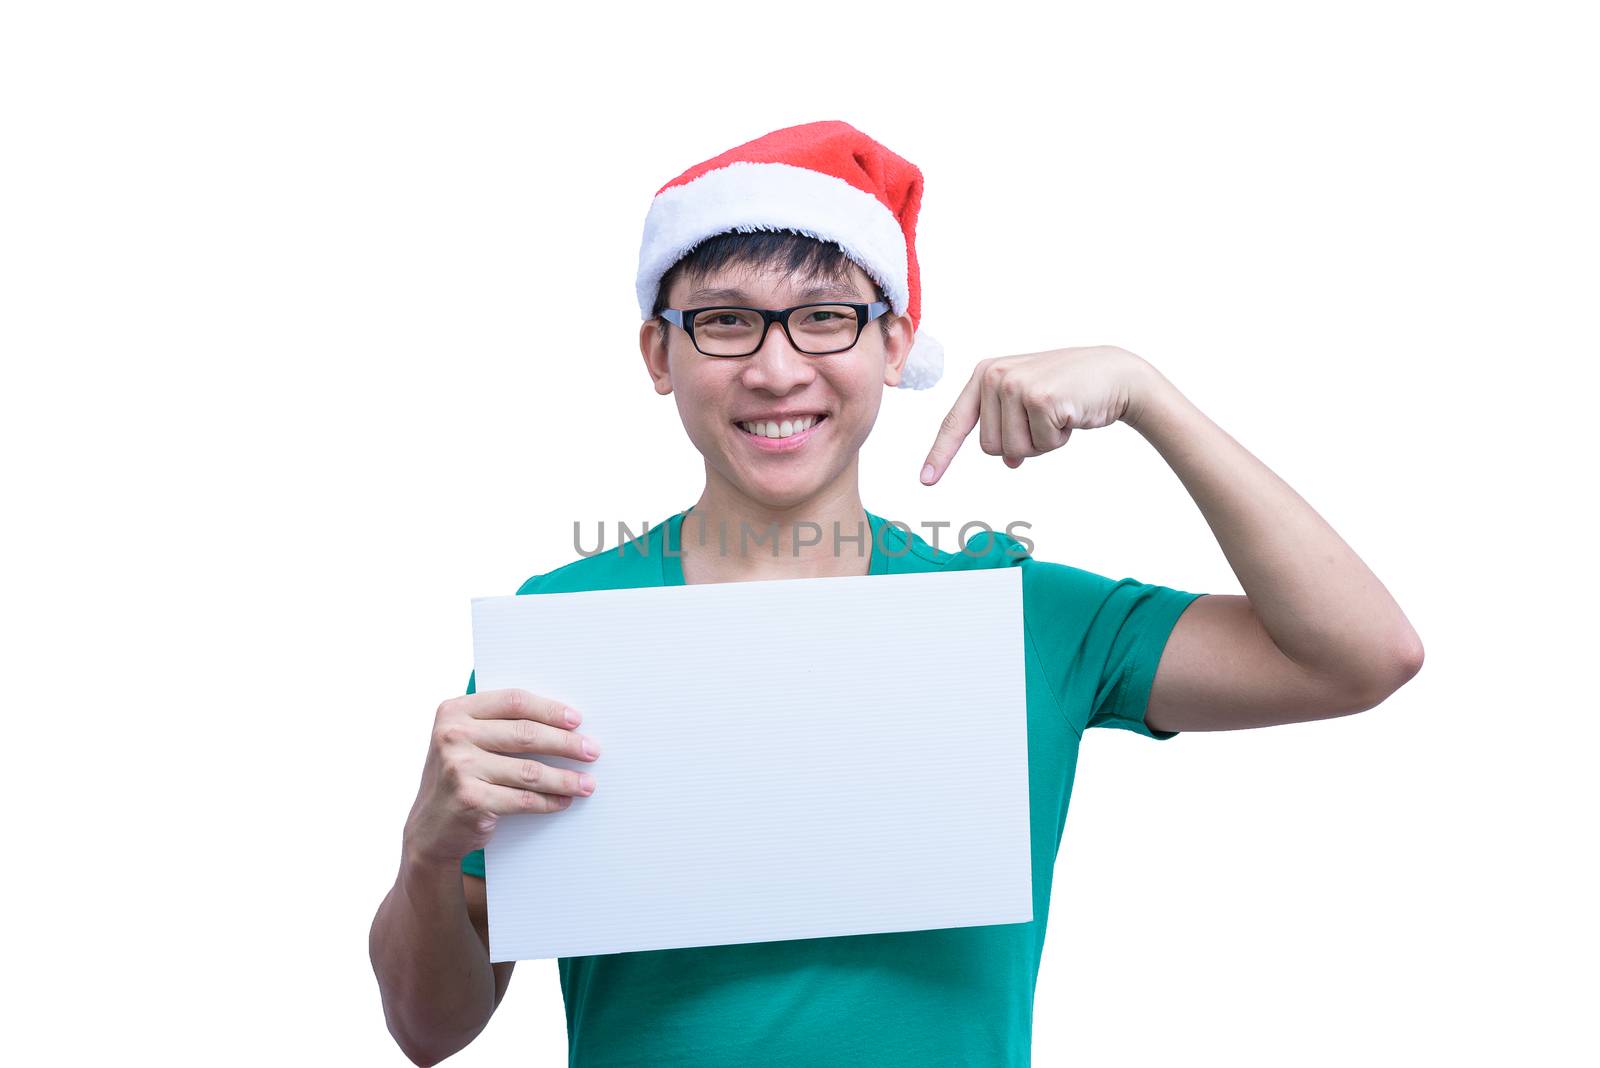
point(1030, 404)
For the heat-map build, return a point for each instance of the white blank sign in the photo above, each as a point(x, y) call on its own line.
point(780, 759)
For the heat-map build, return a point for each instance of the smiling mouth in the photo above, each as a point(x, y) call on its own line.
point(777, 431)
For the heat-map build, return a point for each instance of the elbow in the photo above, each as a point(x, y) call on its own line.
point(420, 1053)
point(1400, 665)
point(417, 1057)
point(1410, 654)
point(1406, 656)
point(420, 1047)
point(416, 1053)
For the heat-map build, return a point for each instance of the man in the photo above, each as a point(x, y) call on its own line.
point(780, 293)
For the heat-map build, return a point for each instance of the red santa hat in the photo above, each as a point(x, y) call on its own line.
point(826, 180)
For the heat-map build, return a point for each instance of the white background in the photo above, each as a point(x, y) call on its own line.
point(318, 320)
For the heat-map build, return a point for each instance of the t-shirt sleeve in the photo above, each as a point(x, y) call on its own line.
point(472, 863)
point(1100, 641)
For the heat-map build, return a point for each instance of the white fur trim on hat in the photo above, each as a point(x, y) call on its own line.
point(925, 364)
point(746, 196)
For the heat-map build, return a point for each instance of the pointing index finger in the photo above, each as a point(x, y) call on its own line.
point(953, 430)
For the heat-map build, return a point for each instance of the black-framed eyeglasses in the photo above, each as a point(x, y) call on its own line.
point(729, 331)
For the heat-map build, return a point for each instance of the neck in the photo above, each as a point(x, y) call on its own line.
point(730, 536)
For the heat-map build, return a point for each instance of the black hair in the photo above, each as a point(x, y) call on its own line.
point(785, 250)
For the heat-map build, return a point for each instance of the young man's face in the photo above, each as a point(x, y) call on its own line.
point(777, 383)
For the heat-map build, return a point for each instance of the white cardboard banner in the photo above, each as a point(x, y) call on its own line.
point(779, 759)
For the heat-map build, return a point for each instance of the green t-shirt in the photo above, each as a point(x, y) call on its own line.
point(960, 995)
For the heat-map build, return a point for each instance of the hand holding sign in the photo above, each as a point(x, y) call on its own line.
point(471, 777)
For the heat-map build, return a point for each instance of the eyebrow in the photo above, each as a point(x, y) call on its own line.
point(830, 291)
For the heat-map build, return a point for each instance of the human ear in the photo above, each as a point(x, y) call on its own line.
point(653, 346)
point(897, 349)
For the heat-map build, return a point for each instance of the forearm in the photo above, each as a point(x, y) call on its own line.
point(437, 983)
point(1321, 605)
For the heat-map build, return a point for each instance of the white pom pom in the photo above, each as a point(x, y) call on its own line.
point(925, 365)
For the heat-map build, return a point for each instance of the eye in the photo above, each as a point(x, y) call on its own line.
point(724, 319)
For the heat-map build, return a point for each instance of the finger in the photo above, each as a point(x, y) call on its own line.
point(1016, 439)
point(528, 736)
point(957, 424)
point(989, 419)
point(532, 775)
point(505, 800)
point(518, 704)
point(1045, 423)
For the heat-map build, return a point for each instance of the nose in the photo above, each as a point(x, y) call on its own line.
point(777, 366)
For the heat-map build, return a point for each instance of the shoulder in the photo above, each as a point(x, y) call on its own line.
point(634, 562)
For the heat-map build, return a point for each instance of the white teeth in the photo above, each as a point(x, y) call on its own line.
point(787, 428)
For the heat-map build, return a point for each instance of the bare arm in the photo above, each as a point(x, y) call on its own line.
point(1316, 634)
point(429, 942)
point(1222, 671)
point(430, 949)
point(478, 909)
